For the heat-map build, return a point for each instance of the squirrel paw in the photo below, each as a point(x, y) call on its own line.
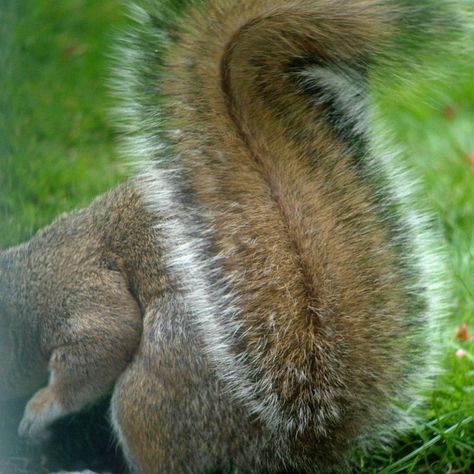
point(40, 412)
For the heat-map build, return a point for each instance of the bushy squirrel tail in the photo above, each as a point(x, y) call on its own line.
point(297, 253)
point(228, 67)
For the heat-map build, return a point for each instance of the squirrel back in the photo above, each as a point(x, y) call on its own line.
point(312, 282)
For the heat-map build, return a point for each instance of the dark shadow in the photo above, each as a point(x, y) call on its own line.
point(79, 442)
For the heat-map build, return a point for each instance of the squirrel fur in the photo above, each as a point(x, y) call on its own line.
point(261, 297)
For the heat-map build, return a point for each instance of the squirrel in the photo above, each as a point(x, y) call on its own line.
point(261, 297)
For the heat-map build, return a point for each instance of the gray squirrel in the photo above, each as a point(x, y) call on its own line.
point(261, 297)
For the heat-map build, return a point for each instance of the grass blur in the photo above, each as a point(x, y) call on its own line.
point(58, 150)
point(56, 140)
point(436, 131)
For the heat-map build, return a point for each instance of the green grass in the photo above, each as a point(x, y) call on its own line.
point(439, 142)
point(56, 140)
point(58, 150)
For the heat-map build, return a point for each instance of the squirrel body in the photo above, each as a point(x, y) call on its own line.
point(260, 292)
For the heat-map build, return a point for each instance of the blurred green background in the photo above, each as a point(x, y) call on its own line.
point(58, 149)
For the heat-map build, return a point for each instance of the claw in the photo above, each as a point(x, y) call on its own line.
point(40, 412)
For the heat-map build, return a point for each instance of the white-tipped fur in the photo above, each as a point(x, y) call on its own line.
point(346, 85)
point(203, 299)
point(429, 250)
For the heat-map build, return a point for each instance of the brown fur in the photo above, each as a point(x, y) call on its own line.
point(265, 278)
point(292, 216)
